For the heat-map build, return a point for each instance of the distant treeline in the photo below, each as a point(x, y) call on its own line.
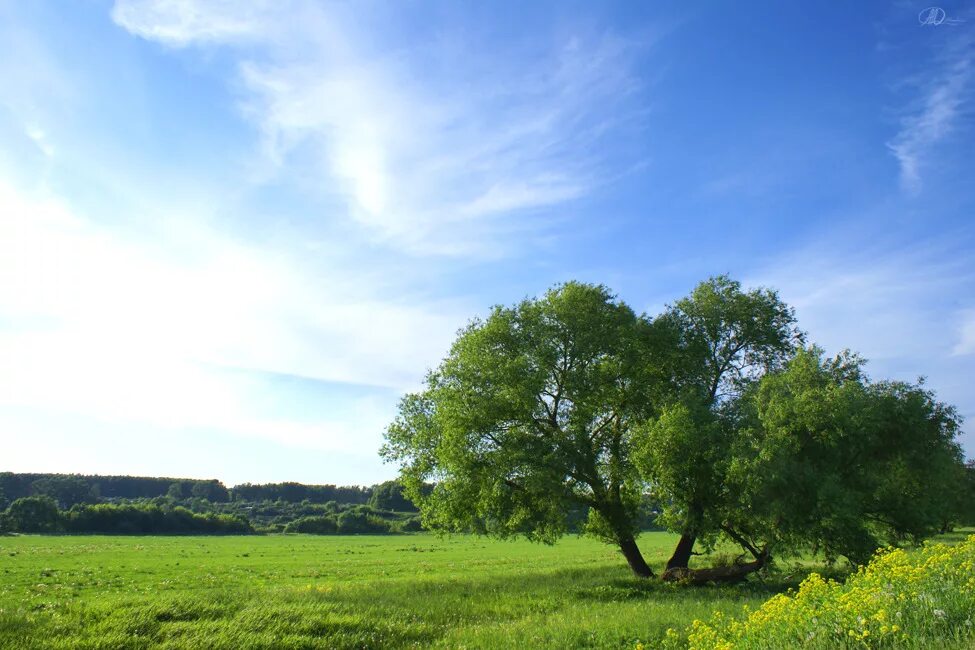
point(298, 492)
point(76, 503)
point(71, 489)
point(40, 514)
point(162, 515)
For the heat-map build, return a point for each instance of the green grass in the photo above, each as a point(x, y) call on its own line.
point(343, 592)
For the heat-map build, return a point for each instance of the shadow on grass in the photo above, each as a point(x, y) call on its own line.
point(758, 586)
point(954, 537)
point(497, 598)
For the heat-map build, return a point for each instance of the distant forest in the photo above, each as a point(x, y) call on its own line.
point(78, 503)
point(69, 489)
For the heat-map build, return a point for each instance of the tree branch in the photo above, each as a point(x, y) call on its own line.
point(733, 534)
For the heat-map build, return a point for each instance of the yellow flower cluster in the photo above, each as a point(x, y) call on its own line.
point(925, 594)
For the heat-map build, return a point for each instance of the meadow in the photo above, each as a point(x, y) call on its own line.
point(298, 591)
point(302, 591)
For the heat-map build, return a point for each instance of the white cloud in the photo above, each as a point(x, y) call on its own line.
point(178, 22)
point(437, 149)
point(935, 114)
point(117, 329)
point(884, 301)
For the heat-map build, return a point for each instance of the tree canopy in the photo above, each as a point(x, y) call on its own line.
point(714, 409)
point(34, 515)
point(389, 496)
point(828, 457)
point(533, 412)
point(725, 339)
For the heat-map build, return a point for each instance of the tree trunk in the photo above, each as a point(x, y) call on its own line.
point(682, 554)
point(634, 558)
point(723, 574)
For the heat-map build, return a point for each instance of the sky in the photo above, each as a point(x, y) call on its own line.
point(233, 235)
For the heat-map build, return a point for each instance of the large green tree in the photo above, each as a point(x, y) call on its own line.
point(714, 410)
point(812, 456)
point(725, 339)
point(827, 458)
point(532, 415)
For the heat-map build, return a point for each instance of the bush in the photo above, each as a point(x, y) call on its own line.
point(411, 525)
point(313, 526)
point(353, 522)
point(369, 511)
point(150, 519)
point(34, 515)
point(389, 496)
point(918, 599)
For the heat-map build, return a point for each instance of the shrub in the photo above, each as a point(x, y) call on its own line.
point(313, 526)
point(34, 515)
point(354, 522)
point(127, 519)
point(411, 525)
point(389, 496)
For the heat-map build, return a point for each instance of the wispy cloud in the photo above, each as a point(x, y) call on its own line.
point(966, 334)
point(944, 90)
point(440, 148)
point(886, 300)
point(891, 302)
point(39, 138)
point(179, 23)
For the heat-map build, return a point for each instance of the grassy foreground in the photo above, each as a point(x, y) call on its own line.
point(342, 592)
point(461, 592)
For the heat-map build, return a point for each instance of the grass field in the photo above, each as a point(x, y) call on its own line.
point(342, 592)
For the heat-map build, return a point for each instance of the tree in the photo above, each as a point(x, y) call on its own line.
point(813, 456)
point(389, 496)
point(714, 411)
point(34, 515)
point(725, 340)
point(178, 490)
point(353, 522)
point(532, 413)
point(313, 526)
point(828, 459)
point(965, 503)
point(212, 490)
point(67, 490)
point(708, 458)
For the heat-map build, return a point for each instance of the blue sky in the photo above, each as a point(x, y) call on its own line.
point(233, 234)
